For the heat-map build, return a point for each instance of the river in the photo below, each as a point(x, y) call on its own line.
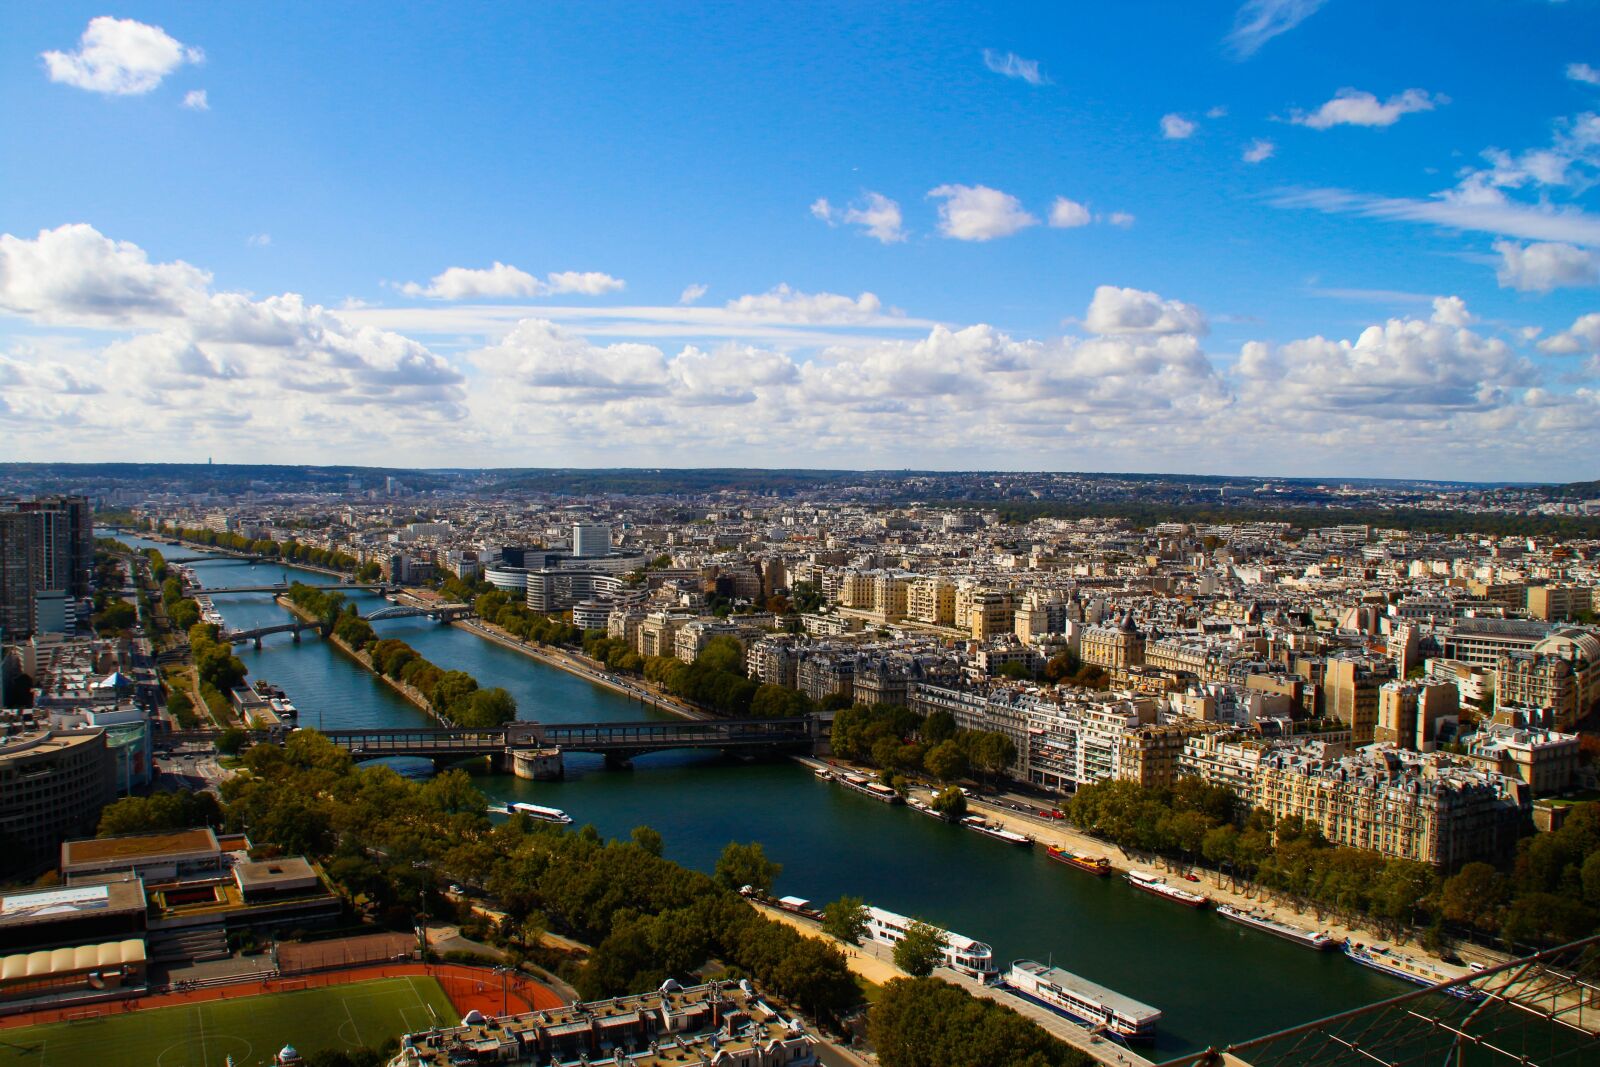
point(1216, 982)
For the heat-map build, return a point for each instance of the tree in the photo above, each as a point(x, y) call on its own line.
point(648, 839)
point(921, 950)
point(951, 803)
point(722, 653)
point(845, 919)
point(946, 762)
point(231, 740)
point(924, 1022)
point(938, 726)
point(484, 708)
point(1474, 896)
point(747, 865)
point(452, 688)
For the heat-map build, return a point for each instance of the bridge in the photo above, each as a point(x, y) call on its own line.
point(536, 747)
point(281, 588)
point(218, 557)
point(442, 612)
point(239, 637)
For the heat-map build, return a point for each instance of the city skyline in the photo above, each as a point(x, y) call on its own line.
point(1237, 239)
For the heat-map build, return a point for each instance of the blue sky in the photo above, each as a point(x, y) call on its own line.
point(807, 235)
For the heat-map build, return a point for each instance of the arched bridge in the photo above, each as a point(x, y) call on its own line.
point(442, 612)
point(239, 637)
point(618, 741)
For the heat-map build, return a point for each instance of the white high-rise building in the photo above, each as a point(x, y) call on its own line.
point(591, 539)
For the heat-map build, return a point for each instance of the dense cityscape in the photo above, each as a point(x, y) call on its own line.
point(800, 535)
point(1340, 735)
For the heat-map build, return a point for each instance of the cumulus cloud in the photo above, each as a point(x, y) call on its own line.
point(1544, 266)
point(1117, 311)
point(875, 213)
point(692, 293)
point(503, 280)
point(1014, 66)
point(785, 303)
point(1583, 72)
point(1120, 218)
point(258, 240)
point(1258, 151)
point(196, 100)
point(1259, 21)
point(1582, 336)
point(1403, 369)
point(1356, 107)
point(979, 213)
point(1174, 127)
point(1066, 214)
point(270, 369)
point(120, 57)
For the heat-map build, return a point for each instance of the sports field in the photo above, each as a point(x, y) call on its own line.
point(250, 1029)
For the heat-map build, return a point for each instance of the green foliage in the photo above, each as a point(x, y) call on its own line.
point(846, 919)
point(484, 708)
point(231, 741)
point(951, 803)
point(724, 692)
point(779, 702)
point(946, 761)
point(183, 614)
point(288, 551)
point(746, 865)
point(116, 617)
point(925, 1022)
point(921, 950)
point(181, 707)
point(648, 839)
point(323, 604)
point(159, 812)
point(453, 694)
point(213, 660)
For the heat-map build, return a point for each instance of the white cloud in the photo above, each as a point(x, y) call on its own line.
point(1451, 311)
point(979, 213)
point(784, 303)
point(1258, 151)
point(1065, 214)
point(1404, 369)
point(875, 213)
point(1540, 222)
point(120, 57)
point(248, 373)
point(1120, 218)
point(73, 275)
point(1217, 112)
point(1583, 72)
point(879, 216)
point(195, 100)
point(1259, 21)
point(692, 293)
point(1134, 311)
point(258, 240)
point(1582, 336)
point(503, 280)
point(1545, 266)
point(1174, 127)
point(1355, 107)
point(1014, 66)
point(586, 282)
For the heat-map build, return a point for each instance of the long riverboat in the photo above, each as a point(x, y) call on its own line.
point(1388, 961)
point(999, 833)
point(1312, 939)
point(1157, 885)
point(535, 811)
point(971, 958)
point(1098, 866)
point(868, 788)
point(926, 809)
point(1083, 1001)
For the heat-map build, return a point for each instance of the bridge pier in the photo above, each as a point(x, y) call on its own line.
point(258, 642)
point(533, 764)
point(296, 636)
point(618, 762)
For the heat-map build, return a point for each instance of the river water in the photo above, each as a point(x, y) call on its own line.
point(1215, 981)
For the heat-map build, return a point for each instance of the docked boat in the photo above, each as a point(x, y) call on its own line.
point(867, 787)
point(1098, 866)
point(1396, 965)
point(536, 811)
point(822, 775)
point(972, 958)
point(926, 809)
point(1312, 939)
point(1158, 886)
point(999, 833)
point(1083, 1001)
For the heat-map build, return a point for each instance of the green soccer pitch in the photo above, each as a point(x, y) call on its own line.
point(250, 1029)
